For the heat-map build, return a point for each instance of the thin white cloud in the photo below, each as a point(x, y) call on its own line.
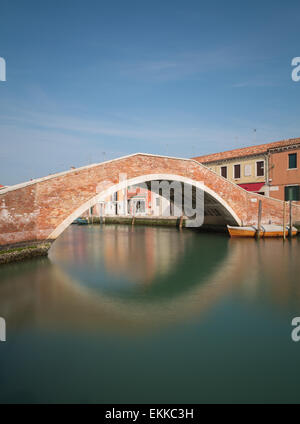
point(97, 127)
point(262, 83)
point(182, 65)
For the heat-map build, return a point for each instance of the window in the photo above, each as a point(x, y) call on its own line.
point(224, 171)
point(140, 206)
point(292, 193)
point(260, 168)
point(237, 171)
point(293, 161)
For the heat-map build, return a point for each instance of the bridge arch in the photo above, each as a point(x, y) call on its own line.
point(40, 209)
point(135, 181)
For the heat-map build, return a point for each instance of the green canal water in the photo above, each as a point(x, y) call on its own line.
point(121, 314)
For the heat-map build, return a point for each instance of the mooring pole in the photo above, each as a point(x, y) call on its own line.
point(291, 220)
point(284, 220)
point(100, 213)
point(181, 222)
point(133, 214)
point(259, 219)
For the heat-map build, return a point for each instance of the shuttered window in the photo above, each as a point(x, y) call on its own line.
point(237, 171)
point(260, 168)
point(292, 193)
point(224, 171)
point(292, 160)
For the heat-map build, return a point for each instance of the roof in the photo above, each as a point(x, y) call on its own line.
point(246, 151)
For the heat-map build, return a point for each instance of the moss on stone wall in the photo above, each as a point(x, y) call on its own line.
point(169, 222)
point(21, 253)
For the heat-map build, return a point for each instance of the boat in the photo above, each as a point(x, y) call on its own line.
point(241, 231)
point(80, 221)
point(277, 231)
point(265, 232)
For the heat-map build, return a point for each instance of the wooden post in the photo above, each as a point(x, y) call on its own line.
point(133, 213)
point(259, 219)
point(284, 220)
point(100, 213)
point(291, 220)
point(181, 222)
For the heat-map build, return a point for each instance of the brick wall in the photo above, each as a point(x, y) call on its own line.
point(280, 173)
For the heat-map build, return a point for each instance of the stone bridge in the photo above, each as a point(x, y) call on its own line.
point(40, 210)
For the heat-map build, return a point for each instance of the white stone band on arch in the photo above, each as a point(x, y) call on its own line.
point(134, 181)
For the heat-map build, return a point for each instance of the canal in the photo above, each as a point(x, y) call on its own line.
point(121, 314)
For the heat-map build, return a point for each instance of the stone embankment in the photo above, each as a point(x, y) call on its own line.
point(22, 253)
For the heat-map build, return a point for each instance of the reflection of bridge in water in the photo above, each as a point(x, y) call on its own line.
point(50, 297)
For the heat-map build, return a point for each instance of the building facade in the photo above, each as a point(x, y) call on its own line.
point(284, 175)
point(270, 169)
point(249, 172)
point(133, 201)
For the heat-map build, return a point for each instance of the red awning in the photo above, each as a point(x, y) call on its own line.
point(252, 186)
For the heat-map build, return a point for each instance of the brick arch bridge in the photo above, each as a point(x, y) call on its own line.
point(41, 209)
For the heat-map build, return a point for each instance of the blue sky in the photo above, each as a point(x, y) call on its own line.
point(94, 80)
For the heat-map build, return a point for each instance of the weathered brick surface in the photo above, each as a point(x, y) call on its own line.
point(34, 211)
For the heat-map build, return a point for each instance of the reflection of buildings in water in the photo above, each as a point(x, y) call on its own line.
point(273, 270)
point(126, 254)
point(46, 297)
point(72, 245)
point(142, 254)
point(137, 253)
